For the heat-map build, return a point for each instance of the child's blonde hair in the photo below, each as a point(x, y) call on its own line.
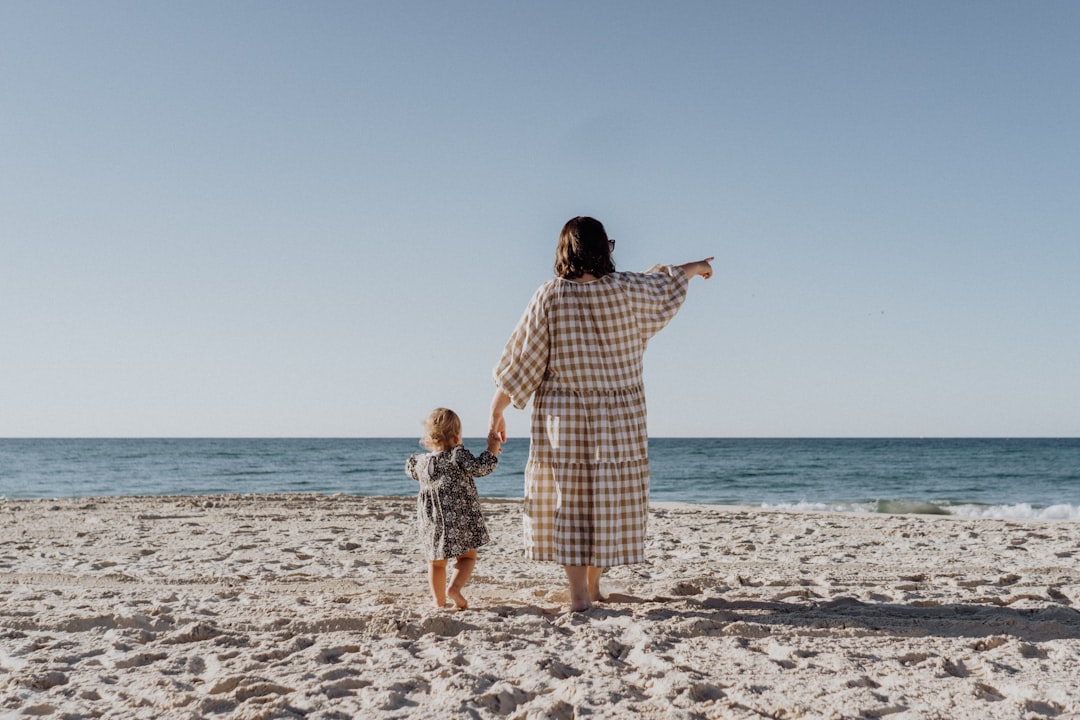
point(442, 430)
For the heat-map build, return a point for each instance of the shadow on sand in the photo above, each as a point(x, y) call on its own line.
point(1053, 622)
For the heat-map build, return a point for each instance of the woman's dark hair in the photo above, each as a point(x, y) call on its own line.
point(583, 249)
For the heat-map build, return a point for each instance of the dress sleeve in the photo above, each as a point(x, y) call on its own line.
point(655, 296)
point(475, 465)
point(410, 467)
point(524, 359)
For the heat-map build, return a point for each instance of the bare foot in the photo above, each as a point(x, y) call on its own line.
point(459, 600)
point(578, 577)
point(580, 603)
point(593, 582)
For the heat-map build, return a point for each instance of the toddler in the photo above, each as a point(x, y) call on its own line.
point(448, 505)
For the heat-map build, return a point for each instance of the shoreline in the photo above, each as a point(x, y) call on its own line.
point(1019, 512)
point(306, 605)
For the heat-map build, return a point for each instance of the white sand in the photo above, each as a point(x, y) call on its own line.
point(313, 606)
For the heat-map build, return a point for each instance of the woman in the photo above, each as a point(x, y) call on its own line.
point(578, 352)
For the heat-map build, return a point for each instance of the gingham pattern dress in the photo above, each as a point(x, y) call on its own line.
point(577, 351)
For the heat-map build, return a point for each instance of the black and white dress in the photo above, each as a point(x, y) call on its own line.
point(448, 505)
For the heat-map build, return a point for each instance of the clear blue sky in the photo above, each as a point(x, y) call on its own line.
point(324, 219)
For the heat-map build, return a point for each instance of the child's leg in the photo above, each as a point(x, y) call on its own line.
point(437, 580)
point(462, 571)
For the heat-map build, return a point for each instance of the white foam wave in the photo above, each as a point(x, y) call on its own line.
point(822, 507)
point(1063, 511)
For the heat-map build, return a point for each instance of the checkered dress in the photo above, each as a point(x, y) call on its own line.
point(577, 351)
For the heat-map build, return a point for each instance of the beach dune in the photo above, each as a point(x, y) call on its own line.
point(313, 606)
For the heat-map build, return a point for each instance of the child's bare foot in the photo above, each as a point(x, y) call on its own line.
point(459, 600)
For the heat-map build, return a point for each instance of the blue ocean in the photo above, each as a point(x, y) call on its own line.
point(1022, 478)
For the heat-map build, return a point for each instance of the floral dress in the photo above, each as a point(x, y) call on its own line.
point(448, 505)
point(577, 352)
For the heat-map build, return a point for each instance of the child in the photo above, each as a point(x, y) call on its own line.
point(448, 505)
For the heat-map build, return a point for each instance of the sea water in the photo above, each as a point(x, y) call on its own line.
point(973, 477)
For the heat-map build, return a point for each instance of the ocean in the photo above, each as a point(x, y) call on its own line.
point(1021, 478)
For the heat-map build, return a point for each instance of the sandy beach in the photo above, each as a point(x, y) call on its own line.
point(313, 606)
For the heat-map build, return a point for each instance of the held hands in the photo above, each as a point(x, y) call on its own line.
point(496, 434)
point(497, 426)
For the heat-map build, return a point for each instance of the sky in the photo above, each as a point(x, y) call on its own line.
point(324, 219)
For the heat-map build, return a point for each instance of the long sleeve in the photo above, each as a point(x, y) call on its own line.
point(420, 467)
point(475, 465)
point(524, 359)
point(655, 296)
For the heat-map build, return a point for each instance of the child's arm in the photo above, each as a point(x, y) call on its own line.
point(476, 466)
point(410, 467)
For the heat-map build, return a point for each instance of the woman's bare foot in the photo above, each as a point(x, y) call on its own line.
point(579, 602)
point(595, 595)
point(459, 600)
point(579, 587)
